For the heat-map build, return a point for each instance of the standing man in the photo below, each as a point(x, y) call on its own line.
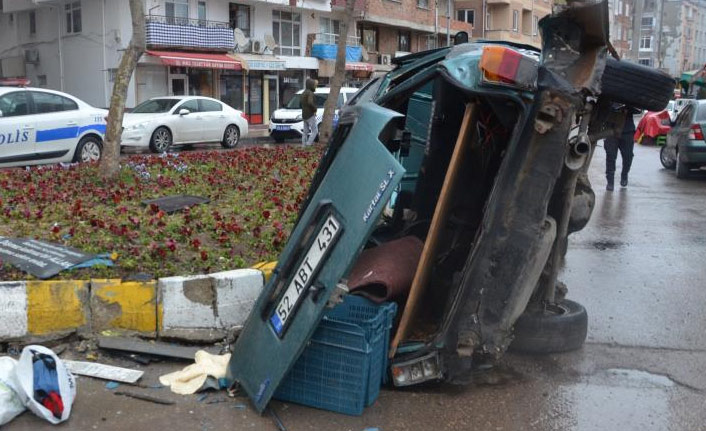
point(623, 143)
point(311, 128)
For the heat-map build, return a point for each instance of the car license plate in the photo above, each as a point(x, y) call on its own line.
point(282, 128)
point(304, 273)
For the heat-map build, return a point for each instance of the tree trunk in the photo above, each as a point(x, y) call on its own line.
point(110, 162)
point(347, 20)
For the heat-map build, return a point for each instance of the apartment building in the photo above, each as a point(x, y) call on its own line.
point(512, 20)
point(251, 54)
point(621, 16)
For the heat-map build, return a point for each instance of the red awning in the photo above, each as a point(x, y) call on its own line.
point(359, 66)
point(200, 60)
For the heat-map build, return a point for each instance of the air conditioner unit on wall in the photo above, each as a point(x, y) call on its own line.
point(385, 59)
point(31, 56)
point(258, 46)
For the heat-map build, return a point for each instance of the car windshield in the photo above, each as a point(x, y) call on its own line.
point(295, 101)
point(155, 106)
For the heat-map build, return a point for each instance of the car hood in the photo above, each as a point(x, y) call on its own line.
point(287, 114)
point(130, 119)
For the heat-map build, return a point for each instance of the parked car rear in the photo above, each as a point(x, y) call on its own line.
point(686, 146)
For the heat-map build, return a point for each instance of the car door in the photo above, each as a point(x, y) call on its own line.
point(214, 120)
point(348, 196)
point(17, 128)
point(189, 127)
point(57, 121)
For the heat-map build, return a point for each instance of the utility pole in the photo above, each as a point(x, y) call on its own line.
point(448, 22)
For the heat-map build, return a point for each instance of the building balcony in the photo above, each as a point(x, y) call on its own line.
point(325, 47)
point(188, 34)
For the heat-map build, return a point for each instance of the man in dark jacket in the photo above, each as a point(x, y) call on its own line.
point(308, 106)
point(623, 143)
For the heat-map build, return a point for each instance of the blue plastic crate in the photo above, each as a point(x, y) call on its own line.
point(344, 364)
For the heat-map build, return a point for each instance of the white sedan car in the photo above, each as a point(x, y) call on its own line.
point(40, 126)
point(161, 122)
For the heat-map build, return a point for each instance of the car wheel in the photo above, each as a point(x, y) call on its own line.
point(636, 85)
point(89, 149)
point(161, 140)
point(682, 168)
point(231, 137)
point(667, 161)
point(560, 327)
point(278, 139)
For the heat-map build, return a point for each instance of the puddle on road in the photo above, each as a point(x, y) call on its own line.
point(637, 378)
point(607, 245)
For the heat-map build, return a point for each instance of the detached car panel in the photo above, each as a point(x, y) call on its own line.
point(334, 226)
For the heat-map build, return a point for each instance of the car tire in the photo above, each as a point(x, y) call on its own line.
point(278, 139)
point(636, 85)
point(89, 149)
point(231, 137)
point(557, 328)
point(682, 168)
point(161, 140)
point(667, 162)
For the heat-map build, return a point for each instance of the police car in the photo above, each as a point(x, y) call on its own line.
point(40, 126)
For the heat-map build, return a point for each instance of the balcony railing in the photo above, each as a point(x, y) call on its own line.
point(187, 33)
point(332, 39)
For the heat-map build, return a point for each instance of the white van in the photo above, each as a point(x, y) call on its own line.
point(286, 123)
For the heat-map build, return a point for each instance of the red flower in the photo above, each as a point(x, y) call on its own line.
point(204, 255)
point(266, 214)
point(195, 243)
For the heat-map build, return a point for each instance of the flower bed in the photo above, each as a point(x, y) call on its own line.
point(255, 195)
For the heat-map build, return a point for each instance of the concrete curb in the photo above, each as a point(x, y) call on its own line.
point(198, 308)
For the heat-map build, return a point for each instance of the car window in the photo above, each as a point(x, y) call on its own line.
point(45, 103)
point(209, 106)
point(686, 115)
point(366, 93)
point(701, 113)
point(14, 104)
point(155, 106)
point(295, 101)
point(192, 105)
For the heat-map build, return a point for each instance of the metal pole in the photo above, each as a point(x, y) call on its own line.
point(448, 22)
point(436, 22)
point(484, 17)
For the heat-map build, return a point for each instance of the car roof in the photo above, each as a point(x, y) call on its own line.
point(8, 88)
point(326, 90)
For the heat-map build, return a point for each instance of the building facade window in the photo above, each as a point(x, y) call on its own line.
point(330, 29)
point(32, 23)
point(488, 21)
point(369, 38)
point(403, 41)
point(177, 11)
point(73, 17)
point(466, 15)
point(239, 16)
point(286, 29)
point(515, 20)
point(645, 61)
point(647, 22)
point(535, 25)
point(202, 12)
point(619, 10)
point(646, 43)
point(424, 4)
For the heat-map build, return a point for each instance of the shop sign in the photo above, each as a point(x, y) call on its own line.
point(266, 65)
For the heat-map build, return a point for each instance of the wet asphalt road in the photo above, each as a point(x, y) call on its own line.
point(638, 267)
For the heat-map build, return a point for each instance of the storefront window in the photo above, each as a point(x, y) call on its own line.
point(290, 82)
point(201, 82)
point(232, 88)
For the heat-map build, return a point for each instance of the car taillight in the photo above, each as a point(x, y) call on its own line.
point(242, 114)
point(501, 65)
point(696, 133)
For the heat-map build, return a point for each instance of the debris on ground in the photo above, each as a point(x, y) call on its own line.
point(103, 371)
point(112, 385)
point(172, 204)
point(40, 258)
point(194, 377)
point(156, 348)
point(144, 397)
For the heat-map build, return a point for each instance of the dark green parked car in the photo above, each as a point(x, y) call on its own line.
point(686, 146)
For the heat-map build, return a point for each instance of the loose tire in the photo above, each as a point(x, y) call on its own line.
point(636, 85)
point(89, 149)
point(231, 137)
point(557, 328)
point(667, 161)
point(682, 168)
point(161, 140)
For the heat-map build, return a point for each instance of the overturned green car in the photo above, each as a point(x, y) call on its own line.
point(479, 152)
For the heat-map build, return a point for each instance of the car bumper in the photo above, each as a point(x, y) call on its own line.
point(693, 152)
point(135, 138)
point(286, 130)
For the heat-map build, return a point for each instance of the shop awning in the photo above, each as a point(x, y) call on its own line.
point(367, 67)
point(260, 61)
point(196, 59)
point(697, 76)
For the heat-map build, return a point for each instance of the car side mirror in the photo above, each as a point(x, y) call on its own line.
point(184, 111)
